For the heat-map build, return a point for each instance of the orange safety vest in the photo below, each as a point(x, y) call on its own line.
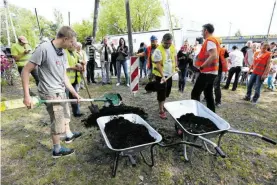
point(204, 55)
point(260, 63)
point(148, 50)
point(223, 60)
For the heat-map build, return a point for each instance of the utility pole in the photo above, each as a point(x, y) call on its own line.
point(270, 20)
point(95, 18)
point(69, 18)
point(169, 20)
point(229, 34)
point(38, 25)
point(129, 26)
point(7, 24)
point(14, 33)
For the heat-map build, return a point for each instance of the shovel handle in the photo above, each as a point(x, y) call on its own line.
point(268, 140)
point(169, 77)
point(220, 152)
point(66, 100)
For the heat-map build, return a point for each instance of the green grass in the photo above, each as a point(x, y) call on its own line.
point(26, 146)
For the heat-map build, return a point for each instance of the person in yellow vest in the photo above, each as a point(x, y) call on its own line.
point(21, 53)
point(164, 64)
point(73, 72)
point(82, 60)
point(207, 62)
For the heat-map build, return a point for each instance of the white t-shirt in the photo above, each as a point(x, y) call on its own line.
point(211, 45)
point(236, 58)
point(167, 68)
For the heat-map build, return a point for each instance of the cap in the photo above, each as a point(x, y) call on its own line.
point(153, 37)
point(23, 39)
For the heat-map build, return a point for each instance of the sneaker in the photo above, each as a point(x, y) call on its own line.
point(254, 102)
point(75, 135)
point(63, 152)
point(128, 85)
point(246, 99)
point(162, 115)
point(118, 84)
point(78, 115)
point(218, 104)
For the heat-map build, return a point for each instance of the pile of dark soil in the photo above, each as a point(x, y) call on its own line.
point(196, 124)
point(123, 134)
point(113, 110)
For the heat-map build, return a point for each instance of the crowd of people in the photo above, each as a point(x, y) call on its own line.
point(60, 67)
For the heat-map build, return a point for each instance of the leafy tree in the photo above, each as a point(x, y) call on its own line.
point(238, 33)
point(145, 15)
point(83, 30)
point(58, 19)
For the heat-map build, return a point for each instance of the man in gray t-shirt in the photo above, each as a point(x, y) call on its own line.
point(51, 61)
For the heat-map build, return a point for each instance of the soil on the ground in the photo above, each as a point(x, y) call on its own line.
point(113, 110)
point(197, 124)
point(124, 134)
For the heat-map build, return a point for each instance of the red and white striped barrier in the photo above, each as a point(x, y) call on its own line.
point(134, 74)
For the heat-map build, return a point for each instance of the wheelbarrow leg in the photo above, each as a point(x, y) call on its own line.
point(189, 139)
point(115, 164)
point(152, 157)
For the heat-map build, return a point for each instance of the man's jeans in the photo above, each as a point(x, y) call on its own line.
point(105, 69)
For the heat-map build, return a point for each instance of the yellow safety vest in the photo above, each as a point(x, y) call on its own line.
point(172, 55)
point(17, 49)
point(72, 61)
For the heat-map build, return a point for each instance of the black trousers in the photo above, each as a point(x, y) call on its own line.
point(90, 71)
point(217, 89)
point(113, 68)
point(34, 73)
point(163, 94)
point(232, 71)
point(205, 82)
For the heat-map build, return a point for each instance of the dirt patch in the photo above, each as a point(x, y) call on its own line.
point(196, 124)
point(113, 110)
point(123, 134)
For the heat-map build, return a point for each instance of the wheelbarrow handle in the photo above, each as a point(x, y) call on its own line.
point(178, 143)
point(220, 152)
point(269, 140)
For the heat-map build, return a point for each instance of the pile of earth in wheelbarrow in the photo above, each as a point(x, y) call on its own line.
point(122, 133)
point(113, 110)
point(196, 124)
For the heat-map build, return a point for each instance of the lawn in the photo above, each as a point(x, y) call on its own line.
point(26, 145)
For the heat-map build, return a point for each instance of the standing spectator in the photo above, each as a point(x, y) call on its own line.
point(74, 70)
point(235, 60)
point(223, 68)
point(246, 47)
point(122, 53)
point(273, 48)
point(113, 61)
point(91, 51)
point(272, 75)
point(142, 59)
point(207, 62)
point(249, 57)
point(150, 50)
point(183, 58)
point(105, 58)
point(21, 53)
point(164, 64)
point(261, 67)
point(83, 61)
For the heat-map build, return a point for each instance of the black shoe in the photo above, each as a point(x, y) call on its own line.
point(75, 135)
point(103, 83)
point(109, 83)
point(218, 104)
point(246, 99)
point(233, 89)
point(63, 152)
point(226, 88)
point(78, 115)
point(94, 82)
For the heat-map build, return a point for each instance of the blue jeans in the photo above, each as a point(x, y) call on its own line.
point(75, 106)
point(182, 79)
point(142, 66)
point(270, 83)
point(123, 63)
point(254, 79)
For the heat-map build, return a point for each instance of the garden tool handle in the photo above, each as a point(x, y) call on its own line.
point(269, 140)
point(220, 152)
point(69, 100)
point(169, 77)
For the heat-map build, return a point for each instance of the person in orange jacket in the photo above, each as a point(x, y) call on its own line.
point(260, 67)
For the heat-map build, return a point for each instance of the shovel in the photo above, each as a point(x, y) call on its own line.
point(108, 99)
point(93, 108)
point(157, 86)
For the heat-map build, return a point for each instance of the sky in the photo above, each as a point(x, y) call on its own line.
point(252, 17)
